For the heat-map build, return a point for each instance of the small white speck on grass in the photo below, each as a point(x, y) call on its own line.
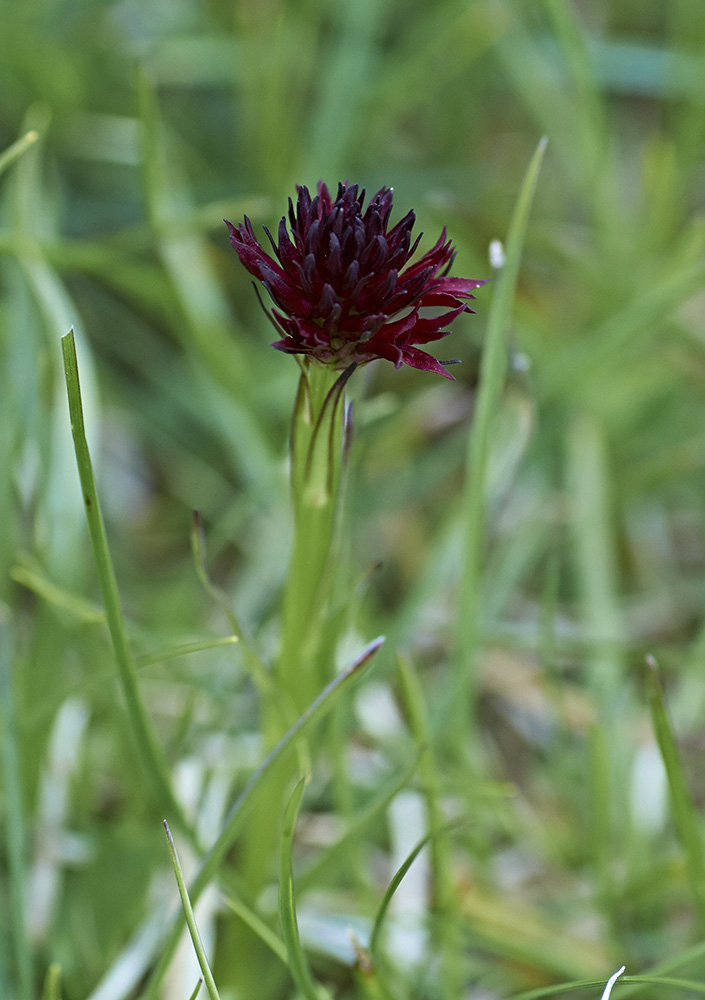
point(520, 362)
point(497, 256)
point(610, 983)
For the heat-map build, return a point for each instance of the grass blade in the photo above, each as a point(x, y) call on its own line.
point(396, 882)
point(151, 752)
point(492, 373)
point(184, 649)
point(191, 919)
point(197, 990)
point(14, 819)
point(688, 985)
point(684, 814)
point(13, 152)
point(257, 668)
point(59, 597)
point(52, 983)
point(298, 965)
point(356, 830)
point(256, 924)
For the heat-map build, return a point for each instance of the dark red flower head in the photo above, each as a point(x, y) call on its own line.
point(344, 288)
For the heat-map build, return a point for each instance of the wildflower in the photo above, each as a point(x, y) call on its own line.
point(343, 288)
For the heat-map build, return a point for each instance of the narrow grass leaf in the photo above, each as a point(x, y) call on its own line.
point(689, 956)
point(257, 668)
point(492, 374)
point(350, 70)
point(191, 919)
point(14, 816)
point(358, 828)
point(589, 120)
point(198, 548)
point(684, 814)
point(298, 964)
point(256, 924)
point(396, 882)
point(685, 985)
point(59, 597)
point(13, 152)
point(197, 990)
point(150, 751)
point(185, 649)
point(52, 983)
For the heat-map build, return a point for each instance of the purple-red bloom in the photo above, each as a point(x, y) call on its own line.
point(343, 285)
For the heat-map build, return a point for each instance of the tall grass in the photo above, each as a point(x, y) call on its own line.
point(561, 796)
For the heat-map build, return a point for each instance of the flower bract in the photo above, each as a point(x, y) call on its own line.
point(343, 282)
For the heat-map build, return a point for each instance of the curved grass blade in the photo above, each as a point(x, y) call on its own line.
point(197, 990)
point(257, 668)
point(233, 823)
point(298, 964)
point(328, 857)
point(397, 880)
point(149, 748)
point(687, 985)
point(73, 604)
point(184, 649)
point(492, 373)
point(198, 548)
point(191, 919)
point(689, 956)
point(684, 814)
point(256, 924)
point(13, 152)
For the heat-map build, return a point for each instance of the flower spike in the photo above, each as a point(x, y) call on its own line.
point(342, 284)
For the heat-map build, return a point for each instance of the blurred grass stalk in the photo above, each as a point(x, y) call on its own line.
point(14, 819)
point(685, 816)
point(462, 709)
point(13, 152)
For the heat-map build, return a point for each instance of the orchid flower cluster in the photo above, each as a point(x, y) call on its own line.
point(343, 283)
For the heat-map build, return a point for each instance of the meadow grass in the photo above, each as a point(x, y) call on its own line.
point(502, 799)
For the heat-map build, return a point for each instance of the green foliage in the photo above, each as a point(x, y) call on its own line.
point(128, 131)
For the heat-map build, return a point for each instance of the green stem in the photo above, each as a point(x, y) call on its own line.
point(308, 629)
point(316, 466)
point(685, 816)
point(150, 751)
point(14, 809)
point(191, 919)
point(298, 964)
point(13, 152)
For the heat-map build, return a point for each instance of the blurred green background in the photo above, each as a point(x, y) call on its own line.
point(155, 121)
